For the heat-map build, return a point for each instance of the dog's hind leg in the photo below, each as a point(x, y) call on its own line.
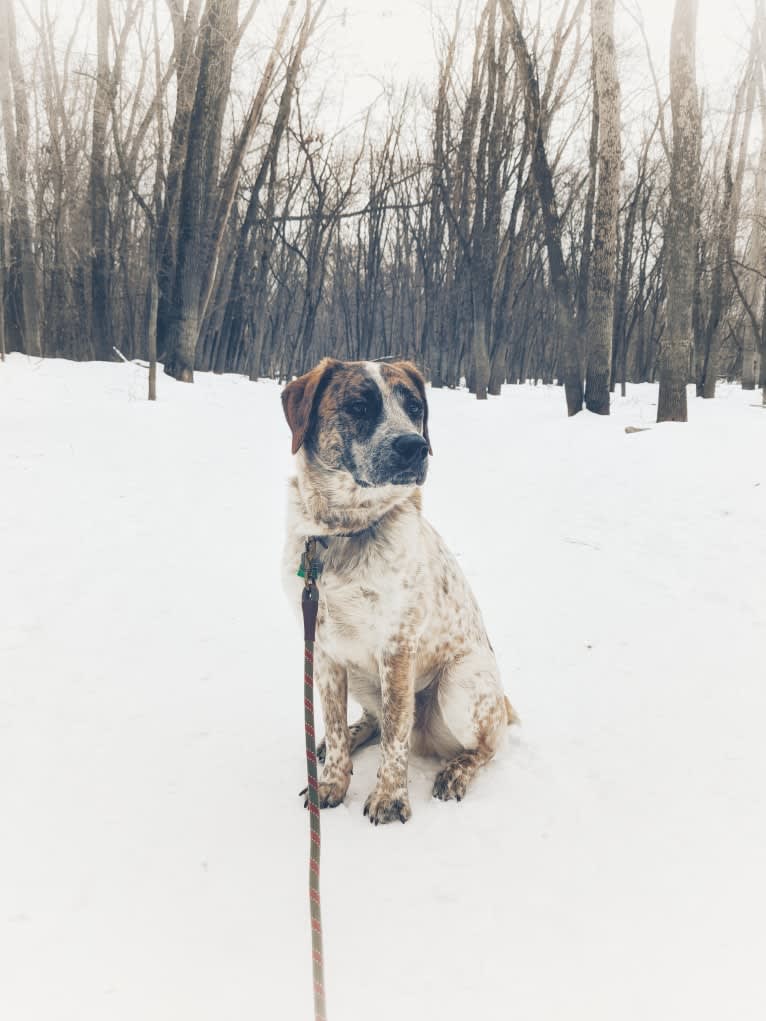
point(452, 781)
point(470, 717)
point(364, 731)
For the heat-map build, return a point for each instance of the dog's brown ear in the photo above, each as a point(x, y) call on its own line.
point(416, 376)
point(299, 399)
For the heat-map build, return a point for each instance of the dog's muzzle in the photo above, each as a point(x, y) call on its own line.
point(408, 461)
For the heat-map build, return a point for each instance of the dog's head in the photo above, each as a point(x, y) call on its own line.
point(369, 419)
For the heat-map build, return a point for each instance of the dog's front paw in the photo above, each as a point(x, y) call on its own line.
point(388, 805)
point(332, 792)
point(331, 789)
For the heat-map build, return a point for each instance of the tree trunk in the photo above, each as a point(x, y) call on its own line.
point(480, 374)
point(4, 260)
point(751, 354)
point(187, 69)
point(583, 275)
point(15, 118)
point(152, 300)
point(198, 188)
point(228, 185)
point(684, 190)
point(552, 223)
point(101, 334)
point(757, 264)
point(604, 260)
point(733, 179)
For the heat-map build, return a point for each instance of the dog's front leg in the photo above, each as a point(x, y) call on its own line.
point(333, 690)
point(390, 800)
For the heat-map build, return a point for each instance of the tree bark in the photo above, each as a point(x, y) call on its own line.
point(684, 192)
point(751, 354)
point(230, 181)
point(187, 68)
point(198, 189)
point(728, 219)
point(4, 260)
point(15, 117)
point(101, 334)
point(552, 223)
point(604, 261)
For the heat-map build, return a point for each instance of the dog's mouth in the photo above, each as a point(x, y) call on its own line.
point(400, 478)
point(407, 478)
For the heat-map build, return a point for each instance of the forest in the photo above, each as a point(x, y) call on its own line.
point(502, 224)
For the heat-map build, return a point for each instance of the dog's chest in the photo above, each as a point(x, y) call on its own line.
point(360, 611)
point(364, 595)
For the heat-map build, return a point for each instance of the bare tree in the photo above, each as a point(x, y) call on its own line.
point(203, 221)
point(726, 223)
point(3, 264)
point(492, 253)
point(604, 264)
point(684, 191)
point(186, 65)
point(756, 269)
point(200, 176)
point(14, 110)
point(98, 192)
point(541, 170)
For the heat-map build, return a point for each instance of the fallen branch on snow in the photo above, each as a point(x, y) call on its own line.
point(129, 361)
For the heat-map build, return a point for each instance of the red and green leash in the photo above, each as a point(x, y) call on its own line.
point(310, 603)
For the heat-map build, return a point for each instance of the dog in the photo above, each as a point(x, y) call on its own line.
point(398, 625)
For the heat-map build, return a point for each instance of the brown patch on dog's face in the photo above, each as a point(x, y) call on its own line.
point(367, 419)
point(347, 414)
point(408, 378)
point(299, 399)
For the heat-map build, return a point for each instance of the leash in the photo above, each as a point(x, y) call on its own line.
point(309, 570)
point(310, 605)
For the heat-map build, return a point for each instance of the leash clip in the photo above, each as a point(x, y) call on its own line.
point(310, 566)
point(309, 571)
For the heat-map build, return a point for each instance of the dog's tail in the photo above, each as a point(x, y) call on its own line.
point(511, 713)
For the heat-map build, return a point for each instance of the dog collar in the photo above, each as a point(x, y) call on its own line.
point(324, 539)
point(314, 565)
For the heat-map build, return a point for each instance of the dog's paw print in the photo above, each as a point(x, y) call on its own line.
point(388, 806)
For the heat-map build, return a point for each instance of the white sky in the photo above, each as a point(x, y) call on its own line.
point(367, 41)
point(365, 44)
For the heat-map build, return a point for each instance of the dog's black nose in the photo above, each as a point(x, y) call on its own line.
point(410, 448)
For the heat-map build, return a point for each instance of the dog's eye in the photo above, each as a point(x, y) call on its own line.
point(414, 408)
point(357, 408)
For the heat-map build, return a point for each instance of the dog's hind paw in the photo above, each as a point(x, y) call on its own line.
point(451, 783)
point(388, 806)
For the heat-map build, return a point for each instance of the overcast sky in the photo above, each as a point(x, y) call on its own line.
point(366, 44)
point(366, 41)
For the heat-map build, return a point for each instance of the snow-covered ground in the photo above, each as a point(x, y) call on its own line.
point(153, 850)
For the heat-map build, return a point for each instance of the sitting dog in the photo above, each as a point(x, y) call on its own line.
point(398, 625)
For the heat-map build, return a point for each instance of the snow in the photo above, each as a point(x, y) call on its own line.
point(153, 849)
